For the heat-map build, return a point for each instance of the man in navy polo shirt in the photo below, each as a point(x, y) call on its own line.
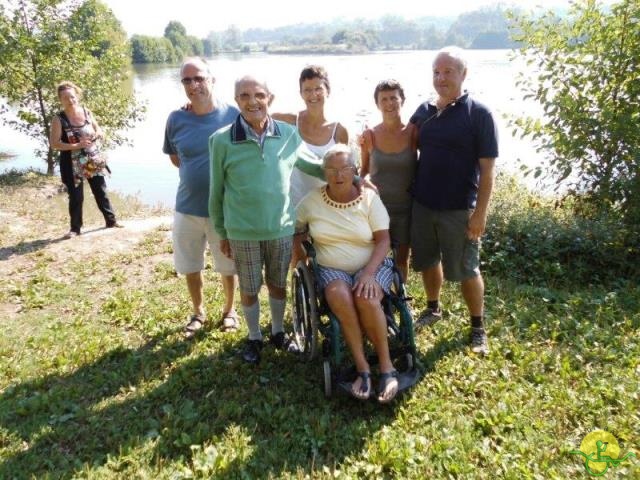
point(458, 145)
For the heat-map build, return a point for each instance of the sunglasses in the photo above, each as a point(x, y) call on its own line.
point(190, 80)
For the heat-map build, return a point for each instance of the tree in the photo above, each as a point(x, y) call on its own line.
point(320, 37)
point(214, 43)
point(177, 35)
point(468, 26)
point(232, 38)
point(432, 38)
point(339, 37)
point(145, 49)
point(398, 32)
point(45, 41)
point(356, 40)
point(489, 40)
point(587, 83)
point(196, 46)
point(175, 28)
point(210, 45)
point(94, 23)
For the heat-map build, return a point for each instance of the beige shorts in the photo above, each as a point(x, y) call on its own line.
point(190, 237)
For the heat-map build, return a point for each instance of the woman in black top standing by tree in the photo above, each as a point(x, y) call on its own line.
point(74, 133)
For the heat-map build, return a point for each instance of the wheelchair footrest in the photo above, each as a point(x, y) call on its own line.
point(406, 380)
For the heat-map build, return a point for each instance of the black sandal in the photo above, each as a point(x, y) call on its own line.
point(385, 379)
point(364, 392)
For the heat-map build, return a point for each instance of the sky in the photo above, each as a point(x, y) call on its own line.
point(150, 17)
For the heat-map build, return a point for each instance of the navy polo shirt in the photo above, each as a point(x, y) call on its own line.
point(450, 145)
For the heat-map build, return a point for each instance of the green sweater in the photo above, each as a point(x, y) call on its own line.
point(249, 189)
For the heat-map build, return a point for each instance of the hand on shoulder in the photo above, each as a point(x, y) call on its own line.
point(289, 118)
point(342, 134)
point(365, 139)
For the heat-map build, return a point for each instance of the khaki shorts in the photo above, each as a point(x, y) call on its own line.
point(190, 237)
point(441, 236)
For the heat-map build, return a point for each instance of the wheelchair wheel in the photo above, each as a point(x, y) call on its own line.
point(326, 368)
point(304, 310)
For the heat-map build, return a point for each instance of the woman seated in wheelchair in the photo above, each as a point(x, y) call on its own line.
point(350, 231)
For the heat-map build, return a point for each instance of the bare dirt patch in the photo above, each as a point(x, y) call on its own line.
point(33, 216)
point(94, 242)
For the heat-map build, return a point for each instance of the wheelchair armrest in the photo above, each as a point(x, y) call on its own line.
point(308, 248)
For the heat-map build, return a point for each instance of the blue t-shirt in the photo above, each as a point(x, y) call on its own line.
point(450, 145)
point(187, 135)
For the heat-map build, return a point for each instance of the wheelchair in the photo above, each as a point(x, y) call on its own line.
point(317, 330)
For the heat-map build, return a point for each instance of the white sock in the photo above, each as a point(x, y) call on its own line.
point(277, 314)
point(252, 316)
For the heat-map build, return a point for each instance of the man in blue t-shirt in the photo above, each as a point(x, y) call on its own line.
point(186, 141)
point(458, 145)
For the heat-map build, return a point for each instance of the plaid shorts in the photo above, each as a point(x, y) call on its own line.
point(251, 255)
point(384, 275)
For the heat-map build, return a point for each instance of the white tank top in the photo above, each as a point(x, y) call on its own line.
point(302, 183)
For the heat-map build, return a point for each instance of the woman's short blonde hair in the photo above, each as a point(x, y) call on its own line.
point(337, 149)
point(67, 85)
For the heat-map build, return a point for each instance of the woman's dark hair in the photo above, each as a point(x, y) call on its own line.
point(315, 71)
point(388, 86)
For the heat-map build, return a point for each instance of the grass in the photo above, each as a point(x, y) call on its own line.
point(96, 382)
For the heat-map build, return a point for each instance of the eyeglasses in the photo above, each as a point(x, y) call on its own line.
point(246, 97)
point(336, 171)
point(190, 80)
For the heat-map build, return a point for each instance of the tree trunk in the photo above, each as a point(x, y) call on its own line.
point(51, 163)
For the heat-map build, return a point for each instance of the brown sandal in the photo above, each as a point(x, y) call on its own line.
point(196, 322)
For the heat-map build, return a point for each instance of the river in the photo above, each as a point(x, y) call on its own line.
point(142, 169)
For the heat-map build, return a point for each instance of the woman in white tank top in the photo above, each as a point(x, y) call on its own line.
point(318, 134)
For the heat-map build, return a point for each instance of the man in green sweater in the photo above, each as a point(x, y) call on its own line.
point(251, 164)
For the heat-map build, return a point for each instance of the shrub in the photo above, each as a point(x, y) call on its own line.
point(541, 240)
point(585, 79)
